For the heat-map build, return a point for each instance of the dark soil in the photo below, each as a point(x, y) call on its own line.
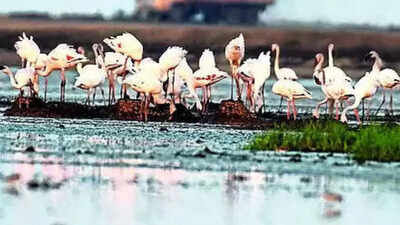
point(228, 112)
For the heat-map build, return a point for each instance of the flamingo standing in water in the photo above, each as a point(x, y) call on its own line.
point(387, 78)
point(63, 57)
point(234, 53)
point(92, 76)
point(334, 85)
point(169, 60)
point(23, 78)
point(27, 50)
point(207, 75)
point(291, 90)
point(255, 72)
point(128, 45)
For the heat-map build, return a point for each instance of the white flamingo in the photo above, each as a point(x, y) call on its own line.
point(61, 58)
point(335, 86)
point(365, 88)
point(207, 75)
point(234, 53)
point(27, 50)
point(128, 45)
point(148, 83)
point(169, 60)
point(291, 90)
point(92, 76)
point(387, 78)
point(282, 73)
point(185, 72)
point(23, 78)
point(255, 72)
point(114, 63)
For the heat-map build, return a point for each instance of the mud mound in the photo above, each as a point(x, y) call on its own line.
point(232, 113)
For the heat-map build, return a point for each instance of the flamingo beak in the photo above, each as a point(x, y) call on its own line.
point(368, 57)
point(2, 67)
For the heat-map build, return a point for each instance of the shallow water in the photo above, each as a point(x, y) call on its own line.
point(118, 172)
point(114, 172)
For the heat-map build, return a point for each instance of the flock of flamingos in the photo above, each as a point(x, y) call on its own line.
point(163, 81)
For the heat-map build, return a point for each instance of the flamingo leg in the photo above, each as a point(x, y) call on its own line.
point(94, 95)
point(146, 107)
point(263, 97)
point(280, 105)
point(288, 110)
point(233, 72)
point(23, 63)
point(88, 97)
point(382, 103)
point(203, 100)
point(62, 87)
point(316, 110)
point(46, 81)
point(294, 110)
point(102, 93)
point(391, 102)
point(337, 109)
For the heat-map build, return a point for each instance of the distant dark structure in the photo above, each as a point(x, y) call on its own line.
point(213, 11)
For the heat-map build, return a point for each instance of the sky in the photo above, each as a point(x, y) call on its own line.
point(376, 12)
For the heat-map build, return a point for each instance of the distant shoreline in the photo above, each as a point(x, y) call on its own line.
point(299, 45)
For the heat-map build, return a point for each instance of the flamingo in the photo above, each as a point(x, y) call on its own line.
point(234, 53)
point(128, 45)
point(27, 50)
point(114, 63)
point(21, 79)
point(92, 76)
point(334, 85)
point(63, 57)
point(365, 88)
point(291, 90)
point(254, 72)
point(185, 72)
point(207, 75)
point(148, 83)
point(282, 73)
point(170, 59)
point(387, 78)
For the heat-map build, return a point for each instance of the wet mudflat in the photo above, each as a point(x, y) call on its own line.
point(119, 172)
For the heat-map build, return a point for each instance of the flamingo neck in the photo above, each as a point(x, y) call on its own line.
point(330, 62)
point(79, 68)
point(276, 67)
point(46, 72)
point(378, 64)
point(319, 64)
point(12, 78)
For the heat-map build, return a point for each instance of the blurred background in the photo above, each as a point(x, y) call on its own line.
point(302, 27)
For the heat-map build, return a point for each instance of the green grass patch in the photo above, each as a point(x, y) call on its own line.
point(367, 143)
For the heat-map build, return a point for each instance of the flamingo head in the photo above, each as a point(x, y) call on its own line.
point(81, 50)
point(318, 59)
point(274, 47)
point(5, 69)
point(331, 47)
point(371, 55)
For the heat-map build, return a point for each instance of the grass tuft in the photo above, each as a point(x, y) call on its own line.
point(368, 143)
